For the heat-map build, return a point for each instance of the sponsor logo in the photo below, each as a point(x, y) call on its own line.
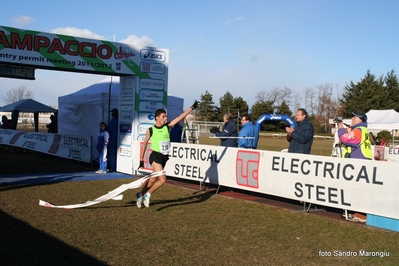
point(155, 84)
point(152, 55)
point(247, 168)
point(151, 95)
point(125, 128)
point(123, 53)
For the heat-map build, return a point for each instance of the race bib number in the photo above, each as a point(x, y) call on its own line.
point(164, 147)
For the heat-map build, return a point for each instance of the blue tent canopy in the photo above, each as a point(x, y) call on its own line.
point(27, 106)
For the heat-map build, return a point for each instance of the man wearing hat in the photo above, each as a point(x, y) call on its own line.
point(356, 138)
point(113, 140)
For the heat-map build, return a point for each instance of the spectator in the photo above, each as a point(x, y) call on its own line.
point(300, 137)
point(255, 144)
point(102, 144)
point(113, 140)
point(176, 132)
point(228, 135)
point(5, 122)
point(357, 145)
point(247, 134)
point(52, 127)
point(373, 139)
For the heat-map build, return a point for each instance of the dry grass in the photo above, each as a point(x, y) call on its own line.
point(181, 227)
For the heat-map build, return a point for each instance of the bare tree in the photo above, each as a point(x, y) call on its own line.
point(17, 94)
point(310, 96)
point(297, 101)
point(285, 96)
point(327, 106)
point(274, 95)
point(261, 96)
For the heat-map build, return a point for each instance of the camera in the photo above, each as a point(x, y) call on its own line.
point(338, 119)
point(213, 130)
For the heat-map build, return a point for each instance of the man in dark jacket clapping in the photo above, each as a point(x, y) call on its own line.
point(300, 137)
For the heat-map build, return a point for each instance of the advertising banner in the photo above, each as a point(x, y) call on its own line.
point(139, 99)
point(143, 75)
point(66, 146)
point(67, 53)
point(342, 183)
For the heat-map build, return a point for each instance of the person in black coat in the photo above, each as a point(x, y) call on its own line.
point(228, 135)
point(300, 137)
point(113, 140)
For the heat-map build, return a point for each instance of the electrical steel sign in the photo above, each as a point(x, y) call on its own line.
point(68, 53)
point(367, 186)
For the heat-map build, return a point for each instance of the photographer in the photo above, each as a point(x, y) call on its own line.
point(356, 138)
point(357, 145)
point(228, 135)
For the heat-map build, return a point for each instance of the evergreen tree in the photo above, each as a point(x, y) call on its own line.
point(207, 110)
point(227, 104)
point(284, 109)
point(363, 96)
point(391, 91)
point(240, 105)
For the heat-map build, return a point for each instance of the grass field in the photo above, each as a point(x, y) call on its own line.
point(181, 227)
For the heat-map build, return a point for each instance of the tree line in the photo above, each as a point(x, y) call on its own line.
point(323, 102)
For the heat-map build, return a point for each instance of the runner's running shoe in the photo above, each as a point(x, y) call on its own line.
point(139, 200)
point(146, 200)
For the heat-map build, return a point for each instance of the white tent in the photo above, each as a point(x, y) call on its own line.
point(81, 112)
point(378, 120)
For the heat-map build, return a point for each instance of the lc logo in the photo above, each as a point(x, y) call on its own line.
point(247, 168)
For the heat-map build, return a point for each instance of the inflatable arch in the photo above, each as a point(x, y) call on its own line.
point(271, 117)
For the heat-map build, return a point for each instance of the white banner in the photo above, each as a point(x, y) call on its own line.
point(392, 154)
point(70, 53)
point(61, 145)
point(115, 194)
point(342, 183)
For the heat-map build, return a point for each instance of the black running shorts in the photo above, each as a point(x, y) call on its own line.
point(159, 158)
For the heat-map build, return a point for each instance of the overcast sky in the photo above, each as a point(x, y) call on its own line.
point(242, 47)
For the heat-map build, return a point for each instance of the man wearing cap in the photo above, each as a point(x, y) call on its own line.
point(113, 140)
point(356, 138)
point(357, 145)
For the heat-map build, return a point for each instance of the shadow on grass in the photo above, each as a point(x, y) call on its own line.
point(22, 244)
point(39, 181)
point(195, 199)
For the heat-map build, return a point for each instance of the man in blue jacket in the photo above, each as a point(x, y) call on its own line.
point(300, 137)
point(246, 137)
point(228, 135)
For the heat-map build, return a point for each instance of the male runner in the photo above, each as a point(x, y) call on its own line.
point(160, 145)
